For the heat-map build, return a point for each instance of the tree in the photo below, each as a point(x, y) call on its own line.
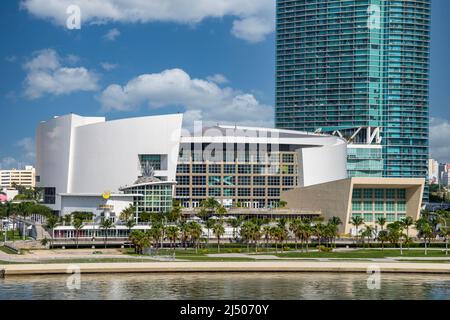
point(407, 222)
point(383, 236)
point(78, 225)
point(218, 230)
point(127, 213)
point(130, 224)
point(235, 224)
point(444, 229)
point(136, 237)
point(396, 234)
point(195, 233)
point(266, 233)
point(425, 231)
point(282, 204)
point(294, 227)
point(209, 224)
point(357, 221)
point(319, 230)
point(172, 234)
point(381, 221)
point(368, 233)
point(334, 223)
point(106, 225)
point(52, 222)
point(246, 233)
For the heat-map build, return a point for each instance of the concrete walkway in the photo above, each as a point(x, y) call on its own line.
point(257, 266)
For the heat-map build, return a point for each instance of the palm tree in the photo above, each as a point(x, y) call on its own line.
point(135, 238)
point(130, 224)
point(368, 233)
point(381, 221)
point(221, 211)
point(307, 232)
point(406, 223)
point(444, 229)
point(425, 231)
point(209, 224)
point(266, 234)
point(106, 225)
point(357, 221)
point(235, 224)
point(52, 222)
point(246, 233)
point(396, 233)
point(294, 227)
point(172, 234)
point(78, 225)
point(127, 213)
point(383, 236)
point(218, 230)
point(184, 234)
point(319, 230)
point(335, 222)
point(195, 233)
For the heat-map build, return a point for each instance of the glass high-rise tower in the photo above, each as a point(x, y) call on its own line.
point(349, 64)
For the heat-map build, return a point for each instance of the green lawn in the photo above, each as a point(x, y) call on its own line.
point(9, 235)
point(363, 253)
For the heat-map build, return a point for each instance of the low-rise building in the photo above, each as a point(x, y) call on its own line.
point(20, 177)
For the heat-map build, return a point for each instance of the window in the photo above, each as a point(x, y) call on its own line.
point(229, 168)
point(390, 206)
point(199, 181)
point(368, 206)
point(287, 169)
point(273, 192)
point(182, 192)
point(273, 181)
point(183, 180)
point(288, 158)
point(379, 206)
point(199, 168)
point(368, 217)
point(379, 193)
point(199, 192)
point(368, 193)
point(49, 195)
point(214, 180)
point(378, 216)
point(229, 192)
point(244, 192)
point(356, 205)
point(390, 217)
point(214, 192)
point(390, 193)
point(183, 168)
point(229, 180)
point(401, 206)
point(401, 194)
point(154, 160)
point(215, 168)
point(244, 181)
point(259, 169)
point(259, 192)
point(288, 181)
point(244, 169)
point(357, 193)
point(259, 181)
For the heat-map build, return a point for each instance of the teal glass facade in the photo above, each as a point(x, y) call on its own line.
point(351, 63)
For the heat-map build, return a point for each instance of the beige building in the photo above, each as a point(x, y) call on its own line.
point(24, 177)
point(369, 198)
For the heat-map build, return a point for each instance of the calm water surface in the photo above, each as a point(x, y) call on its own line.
point(227, 286)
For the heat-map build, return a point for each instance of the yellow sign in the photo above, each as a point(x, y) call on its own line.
point(105, 207)
point(106, 195)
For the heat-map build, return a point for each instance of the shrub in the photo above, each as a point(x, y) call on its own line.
point(324, 249)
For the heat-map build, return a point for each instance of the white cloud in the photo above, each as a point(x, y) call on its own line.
point(201, 99)
point(45, 75)
point(218, 78)
point(8, 163)
point(440, 140)
point(112, 34)
point(28, 149)
point(108, 66)
point(253, 19)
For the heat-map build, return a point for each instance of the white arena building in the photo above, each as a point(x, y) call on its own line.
point(81, 158)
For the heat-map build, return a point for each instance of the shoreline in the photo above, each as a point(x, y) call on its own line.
point(217, 267)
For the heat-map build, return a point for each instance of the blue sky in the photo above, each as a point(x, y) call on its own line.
point(221, 56)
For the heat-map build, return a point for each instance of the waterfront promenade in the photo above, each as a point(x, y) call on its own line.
point(206, 266)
